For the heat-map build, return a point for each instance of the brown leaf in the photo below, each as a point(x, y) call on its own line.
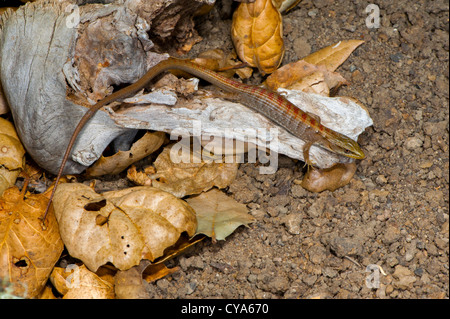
point(304, 76)
point(116, 163)
point(181, 179)
point(77, 282)
point(285, 5)
point(121, 227)
point(28, 248)
point(12, 155)
point(218, 215)
point(318, 180)
point(257, 34)
point(334, 55)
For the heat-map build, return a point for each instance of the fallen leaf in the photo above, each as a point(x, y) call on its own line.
point(133, 283)
point(318, 180)
point(116, 163)
point(12, 155)
point(218, 215)
point(77, 282)
point(285, 5)
point(334, 55)
point(28, 248)
point(181, 179)
point(257, 34)
point(129, 283)
point(306, 77)
point(121, 227)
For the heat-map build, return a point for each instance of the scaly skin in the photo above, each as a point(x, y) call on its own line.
point(270, 104)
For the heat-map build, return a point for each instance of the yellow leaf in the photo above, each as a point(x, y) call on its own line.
point(116, 163)
point(334, 55)
point(257, 33)
point(121, 227)
point(28, 248)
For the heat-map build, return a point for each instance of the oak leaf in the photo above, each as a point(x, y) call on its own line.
point(257, 34)
point(121, 227)
point(218, 215)
point(28, 248)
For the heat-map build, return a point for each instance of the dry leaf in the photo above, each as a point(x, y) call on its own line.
point(306, 77)
point(121, 227)
point(116, 163)
point(334, 55)
point(181, 179)
point(257, 34)
point(318, 180)
point(285, 5)
point(12, 155)
point(77, 282)
point(218, 215)
point(28, 249)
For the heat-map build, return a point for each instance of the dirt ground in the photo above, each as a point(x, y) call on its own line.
point(393, 214)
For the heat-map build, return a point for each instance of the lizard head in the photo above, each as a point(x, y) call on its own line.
point(343, 145)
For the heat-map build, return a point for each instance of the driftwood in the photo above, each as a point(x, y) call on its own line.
point(57, 59)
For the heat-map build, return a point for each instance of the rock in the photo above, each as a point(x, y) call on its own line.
point(404, 277)
point(413, 143)
point(292, 223)
point(345, 246)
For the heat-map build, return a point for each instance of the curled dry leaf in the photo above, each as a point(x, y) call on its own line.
point(116, 163)
point(28, 248)
point(257, 34)
point(12, 155)
point(121, 227)
point(318, 180)
point(218, 215)
point(181, 179)
point(77, 282)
